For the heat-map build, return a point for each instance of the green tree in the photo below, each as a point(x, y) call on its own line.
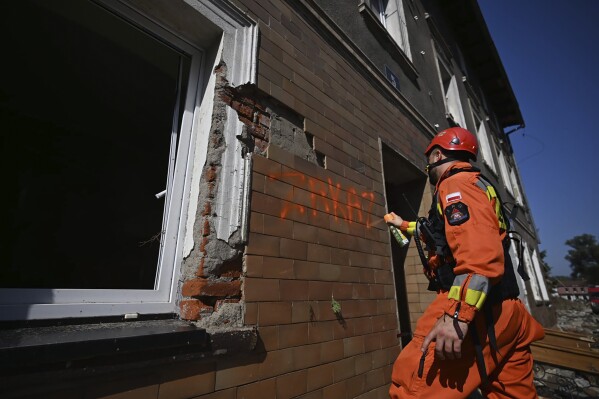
point(584, 257)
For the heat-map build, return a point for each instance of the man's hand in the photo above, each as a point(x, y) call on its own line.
point(393, 219)
point(448, 339)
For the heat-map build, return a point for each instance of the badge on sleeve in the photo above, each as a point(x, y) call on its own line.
point(457, 213)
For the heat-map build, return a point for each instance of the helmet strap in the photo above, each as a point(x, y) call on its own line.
point(433, 165)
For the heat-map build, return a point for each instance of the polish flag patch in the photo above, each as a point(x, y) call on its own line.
point(453, 197)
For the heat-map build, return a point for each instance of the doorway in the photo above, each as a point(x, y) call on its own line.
point(404, 190)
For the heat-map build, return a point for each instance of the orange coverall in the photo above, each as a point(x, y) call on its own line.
point(476, 245)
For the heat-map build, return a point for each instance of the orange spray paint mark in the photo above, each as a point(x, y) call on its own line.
point(330, 197)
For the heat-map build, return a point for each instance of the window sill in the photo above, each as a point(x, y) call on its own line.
point(383, 36)
point(39, 347)
point(103, 345)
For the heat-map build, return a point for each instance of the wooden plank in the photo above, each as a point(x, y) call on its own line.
point(567, 350)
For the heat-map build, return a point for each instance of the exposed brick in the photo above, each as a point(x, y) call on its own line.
point(206, 287)
point(190, 309)
point(211, 173)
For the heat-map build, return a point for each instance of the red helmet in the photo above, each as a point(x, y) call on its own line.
point(454, 139)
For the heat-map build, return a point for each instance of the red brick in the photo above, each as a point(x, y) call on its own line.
point(211, 173)
point(190, 309)
point(205, 287)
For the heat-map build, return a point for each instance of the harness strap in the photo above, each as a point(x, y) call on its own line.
point(480, 359)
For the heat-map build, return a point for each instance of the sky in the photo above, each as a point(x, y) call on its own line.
point(550, 51)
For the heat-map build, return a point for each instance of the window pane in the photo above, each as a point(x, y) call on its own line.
point(86, 116)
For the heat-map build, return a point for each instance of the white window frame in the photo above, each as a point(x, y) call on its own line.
point(539, 275)
point(513, 252)
point(238, 47)
point(515, 185)
point(451, 96)
point(536, 289)
point(392, 15)
point(505, 175)
point(485, 144)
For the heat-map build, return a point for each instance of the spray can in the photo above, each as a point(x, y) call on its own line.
point(401, 239)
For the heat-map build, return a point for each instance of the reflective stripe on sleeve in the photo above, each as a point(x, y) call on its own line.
point(477, 291)
point(456, 288)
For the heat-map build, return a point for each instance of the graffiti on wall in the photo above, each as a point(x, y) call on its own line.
point(313, 195)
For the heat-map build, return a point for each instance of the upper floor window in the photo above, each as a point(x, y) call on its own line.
point(505, 174)
point(484, 143)
point(392, 16)
point(515, 185)
point(451, 94)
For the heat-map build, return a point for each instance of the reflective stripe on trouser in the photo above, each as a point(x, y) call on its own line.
point(510, 368)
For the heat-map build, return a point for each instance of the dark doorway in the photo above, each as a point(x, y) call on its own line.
point(404, 188)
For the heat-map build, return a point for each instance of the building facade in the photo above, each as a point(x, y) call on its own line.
point(196, 190)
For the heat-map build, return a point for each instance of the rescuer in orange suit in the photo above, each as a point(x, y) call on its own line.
point(476, 333)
